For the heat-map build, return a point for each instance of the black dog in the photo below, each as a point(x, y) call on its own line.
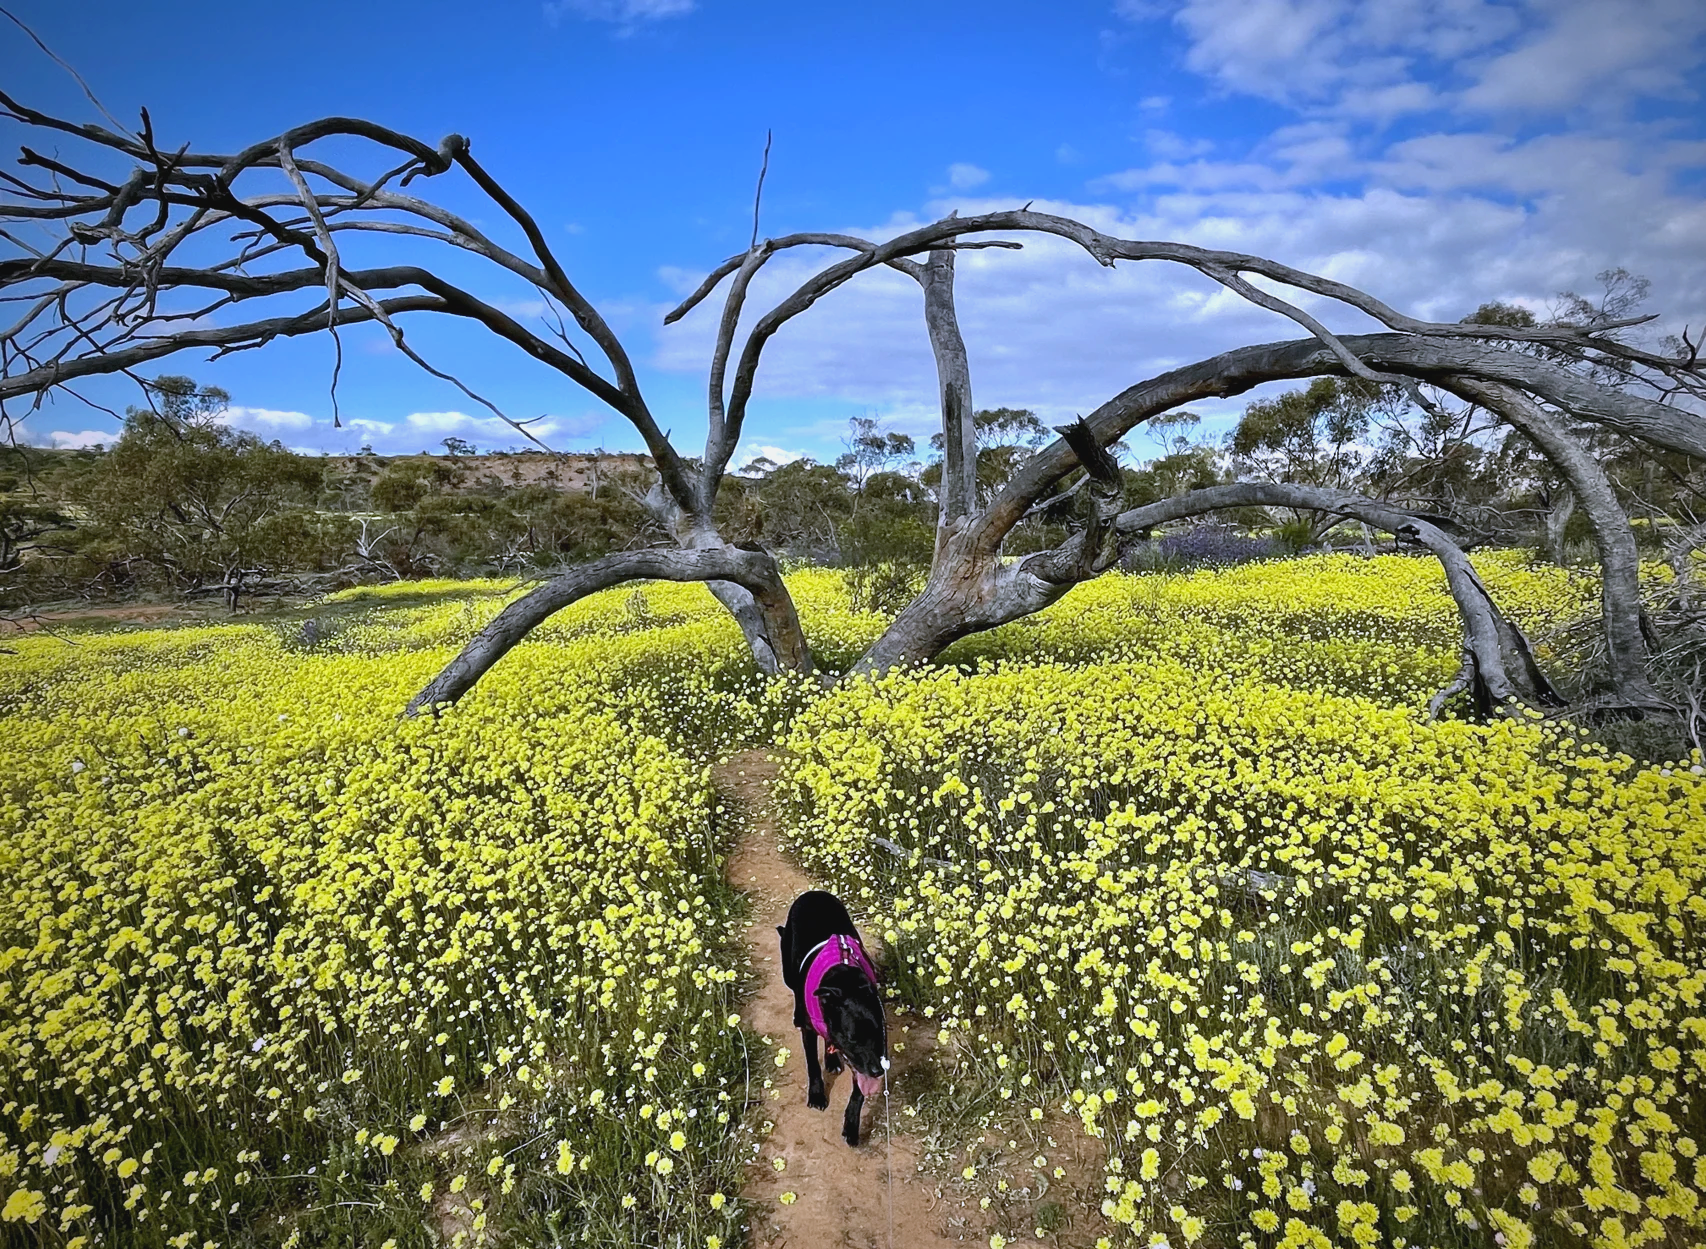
point(835, 996)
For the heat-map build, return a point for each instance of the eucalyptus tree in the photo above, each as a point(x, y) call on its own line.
point(135, 252)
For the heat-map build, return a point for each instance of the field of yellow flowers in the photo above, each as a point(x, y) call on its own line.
point(276, 967)
point(1316, 971)
point(1181, 855)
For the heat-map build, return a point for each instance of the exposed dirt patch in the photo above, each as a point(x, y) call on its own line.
point(842, 1195)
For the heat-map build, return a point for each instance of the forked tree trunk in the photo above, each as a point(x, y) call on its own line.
point(764, 612)
point(969, 590)
point(768, 623)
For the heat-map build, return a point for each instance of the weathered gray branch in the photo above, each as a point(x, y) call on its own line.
point(969, 593)
point(1613, 538)
point(1433, 360)
point(227, 338)
point(724, 430)
point(1094, 547)
point(1107, 250)
point(953, 379)
point(1495, 652)
point(754, 571)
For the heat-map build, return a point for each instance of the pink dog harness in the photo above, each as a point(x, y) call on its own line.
point(838, 951)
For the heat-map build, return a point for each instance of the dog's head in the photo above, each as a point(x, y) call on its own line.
point(853, 1013)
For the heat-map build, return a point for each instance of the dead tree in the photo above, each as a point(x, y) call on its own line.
point(119, 273)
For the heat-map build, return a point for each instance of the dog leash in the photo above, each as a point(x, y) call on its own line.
point(888, 1145)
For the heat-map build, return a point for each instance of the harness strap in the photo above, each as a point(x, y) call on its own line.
point(806, 962)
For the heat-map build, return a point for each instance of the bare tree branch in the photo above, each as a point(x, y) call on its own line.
point(758, 195)
point(1619, 561)
point(754, 571)
point(1428, 359)
point(958, 499)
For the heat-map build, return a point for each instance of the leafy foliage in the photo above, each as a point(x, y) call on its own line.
point(192, 499)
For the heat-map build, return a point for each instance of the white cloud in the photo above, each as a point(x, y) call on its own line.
point(1169, 146)
point(627, 14)
point(1291, 156)
point(363, 425)
point(265, 420)
point(67, 440)
point(441, 422)
point(749, 451)
point(490, 431)
point(525, 308)
point(1381, 59)
point(1195, 176)
point(963, 177)
point(1609, 49)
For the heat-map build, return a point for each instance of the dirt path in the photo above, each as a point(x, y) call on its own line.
point(841, 1193)
point(134, 614)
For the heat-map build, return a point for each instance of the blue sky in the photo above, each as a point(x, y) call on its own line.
point(1436, 152)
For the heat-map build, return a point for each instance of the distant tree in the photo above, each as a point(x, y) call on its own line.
point(31, 527)
point(1006, 439)
point(1312, 436)
point(1185, 467)
point(193, 500)
point(1316, 436)
point(406, 482)
point(871, 449)
point(798, 508)
point(457, 446)
point(33, 519)
point(1171, 431)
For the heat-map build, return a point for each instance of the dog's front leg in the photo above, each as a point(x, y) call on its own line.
point(855, 1107)
point(816, 1097)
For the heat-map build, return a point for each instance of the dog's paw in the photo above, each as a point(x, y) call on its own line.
point(851, 1135)
point(832, 1062)
point(817, 1098)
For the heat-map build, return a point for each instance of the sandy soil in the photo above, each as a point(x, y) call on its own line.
point(842, 1194)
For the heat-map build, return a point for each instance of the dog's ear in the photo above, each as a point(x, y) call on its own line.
point(827, 993)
